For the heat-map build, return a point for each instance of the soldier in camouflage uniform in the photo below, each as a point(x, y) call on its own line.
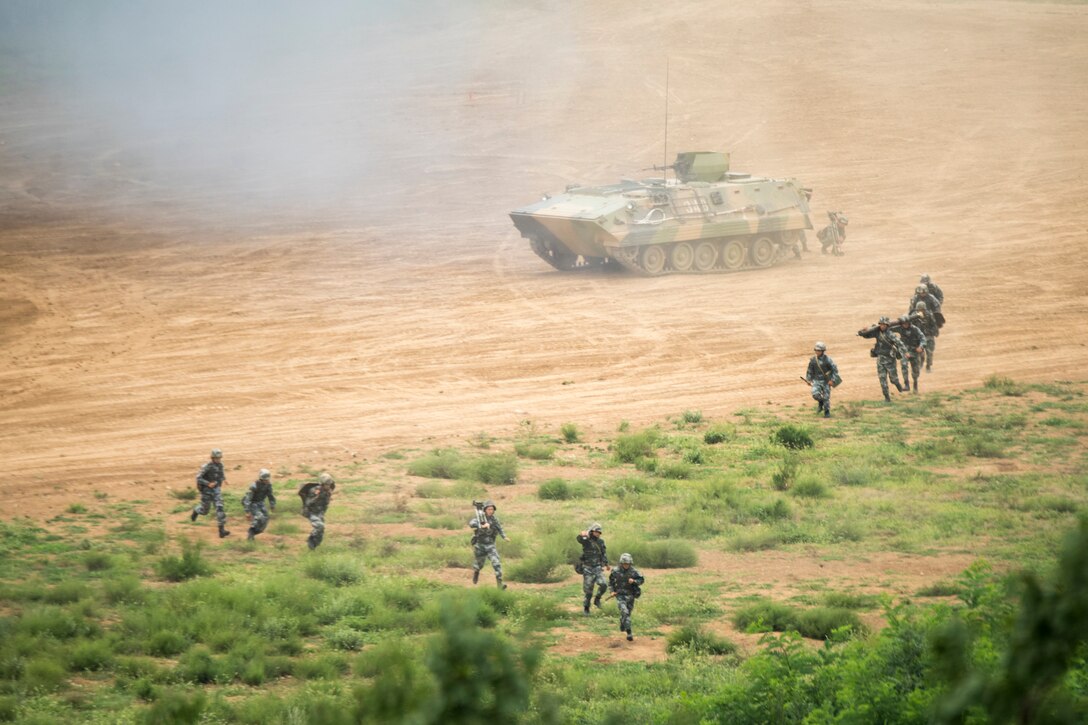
point(932, 287)
point(888, 348)
point(253, 503)
point(209, 482)
point(822, 374)
point(315, 502)
point(483, 542)
point(928, 325)
point(914, 340)
point(626, 584)
point(921, 294)
point(834, 234)
point(594, 559)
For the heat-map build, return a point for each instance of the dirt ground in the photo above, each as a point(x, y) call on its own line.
point(143, 322)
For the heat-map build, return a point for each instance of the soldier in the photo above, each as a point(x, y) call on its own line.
point(834, 234)
point(209, 482)
point(822, 374)
point(253, 503)
point(928, 325)
point(626, 584)
point(594, 559)
point(483, 542)
point(921, 294)
point(315, 502)
point(932, 287)
point(914, 339)
point(888, 347)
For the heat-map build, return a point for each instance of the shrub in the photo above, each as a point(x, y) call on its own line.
point(189, 566)
point(538, 569)
point(439, 463)
point(570, 433)
point(345, 638)
point(849, 600)
point(322, 667)
point(76, 508)
point(765, 616)
point(786, 473)
point(554, 489)
point(630, 447)
point(1003, 385)
point(535, 451)
point(765, 512)
point(673, 469)
point(175, 707)
point(91, 655)
point(43, 674)
point(822, 622)
point(793, 437)
point(166, 643)
point(852, 475)
point(500, 469)
point(97, 561)
point(9, 708)
point(67, 592)
point(336, 570)
point(693, 638)
point(123, 589)
point(692, 417)
point(810, 488)
point(55, 622)
point(664, 554)
point(718, 433)
point(197, 665)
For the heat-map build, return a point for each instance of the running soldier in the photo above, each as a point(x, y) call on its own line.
point(209, 482)
point(483, 542)
point(914, 340)
point(834, 234)
point(315, 502)
point(932, 287)
point(822, 374)
point(626, 584)
point(921, 294)
point(888, 347)
point(928, 325)
point(253, 503)
point(594, 559)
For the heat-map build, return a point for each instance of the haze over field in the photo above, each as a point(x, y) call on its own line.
point(281, 230)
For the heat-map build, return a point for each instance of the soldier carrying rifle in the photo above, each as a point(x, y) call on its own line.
point(485, 526)
point(822, 375)
point(834, 234)
point(626, 584)
point(914, 339)
point(887, 349)
point(209, 482)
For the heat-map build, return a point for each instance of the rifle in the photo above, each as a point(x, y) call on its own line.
point(481, 519)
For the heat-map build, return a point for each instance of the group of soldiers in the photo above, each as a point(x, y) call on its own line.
point(259, 502)
point(625, 581)
point(911, 340)
point(212, 477)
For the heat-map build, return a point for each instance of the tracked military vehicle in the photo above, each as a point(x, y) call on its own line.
point(707, 219)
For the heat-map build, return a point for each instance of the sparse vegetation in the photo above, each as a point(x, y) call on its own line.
point(570, 433)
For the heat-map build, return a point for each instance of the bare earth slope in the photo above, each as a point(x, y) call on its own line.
point(142, 323)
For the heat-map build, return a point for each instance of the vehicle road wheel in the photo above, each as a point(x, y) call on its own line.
point(653, 259)
point(762, 251)
point(733, 254)
point(681, 257)
point(706, 254)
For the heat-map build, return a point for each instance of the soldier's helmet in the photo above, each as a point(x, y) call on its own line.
point(884, 320)
point(924, 279)
point(626, 559)
point(595, 527)
point(920, 306)
point(490, 504)
point(265, 474)
point(326, 480)
point(921, 289)
point(842, 219)
point(904, 319)
point(217, 453)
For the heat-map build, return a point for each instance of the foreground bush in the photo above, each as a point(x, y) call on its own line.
point(793, 437)
point(664, 554)
point(190, 565)
point(694, 638)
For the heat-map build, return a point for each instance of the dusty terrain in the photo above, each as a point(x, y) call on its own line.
point(145, 317)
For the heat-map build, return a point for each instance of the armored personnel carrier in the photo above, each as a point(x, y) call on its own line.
point(707, 219)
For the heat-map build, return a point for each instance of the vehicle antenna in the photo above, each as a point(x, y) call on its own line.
point(665, 145)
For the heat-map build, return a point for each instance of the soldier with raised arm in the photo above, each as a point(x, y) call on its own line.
point(594, 561)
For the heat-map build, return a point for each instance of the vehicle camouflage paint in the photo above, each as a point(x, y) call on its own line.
point(706, 220)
